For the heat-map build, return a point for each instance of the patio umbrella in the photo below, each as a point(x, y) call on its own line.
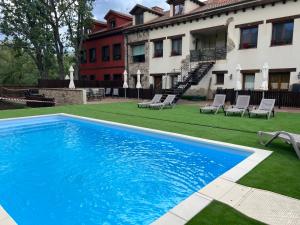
point(238, 80)
point(138, 83)
point(125, 85)
point(164, 81)
point(151, 81)
point(265, 73)
point(71, 85)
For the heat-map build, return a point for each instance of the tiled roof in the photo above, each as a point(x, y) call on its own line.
point(209, 5)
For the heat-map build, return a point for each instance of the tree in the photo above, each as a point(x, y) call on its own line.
point(78, 19)
point(17, 68)
point(68, 19)
point(25, 29)
point(46, 28)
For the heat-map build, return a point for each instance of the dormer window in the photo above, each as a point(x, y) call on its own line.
point(112, 24)
point(178, 9)
point(139, 19)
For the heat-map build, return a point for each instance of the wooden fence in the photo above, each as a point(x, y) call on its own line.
point(283, 98)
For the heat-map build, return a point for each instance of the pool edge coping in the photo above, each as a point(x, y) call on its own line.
point(192, 205)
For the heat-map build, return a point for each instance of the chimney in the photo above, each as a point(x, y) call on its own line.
point(158, 9)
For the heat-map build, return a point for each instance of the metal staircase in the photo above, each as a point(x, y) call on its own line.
point(193, 77)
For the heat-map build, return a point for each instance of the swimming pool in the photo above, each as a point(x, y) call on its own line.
point(64, 170)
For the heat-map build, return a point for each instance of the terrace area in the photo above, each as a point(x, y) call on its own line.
point(277, 174)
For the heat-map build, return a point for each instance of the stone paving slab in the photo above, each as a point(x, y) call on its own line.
point(265, 206)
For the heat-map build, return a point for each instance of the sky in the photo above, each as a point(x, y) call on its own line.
point(103, 6)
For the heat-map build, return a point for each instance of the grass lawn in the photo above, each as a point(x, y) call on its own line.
point(218, 213)
point(279, 173)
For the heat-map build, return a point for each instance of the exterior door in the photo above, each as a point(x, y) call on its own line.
point(158, 82)
point(279, 81)
point(248, 81)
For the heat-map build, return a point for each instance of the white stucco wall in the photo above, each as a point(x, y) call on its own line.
point(149, 16)
point(277, 57)
point(190, 6)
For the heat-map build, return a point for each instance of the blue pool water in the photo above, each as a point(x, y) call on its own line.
point(66, 171)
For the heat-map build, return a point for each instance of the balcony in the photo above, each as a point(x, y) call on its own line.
point(209, 54)
point(209, 44)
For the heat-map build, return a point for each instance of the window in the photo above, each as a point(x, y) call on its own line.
point(83, 77)
point(219, 78)
point(105, 53)
point(139, 19)
point(249, 37)
point(92, 55)
point(112, 24)
point(178, 9)
point(248, 81)
point(117, 77)
point(282, 33)
point(158, 48)
point(279, 81)
point(117, 52)
point(176, 47)
point(106, 77)
point(92, 77)
point(138, 53)
point(83, 56)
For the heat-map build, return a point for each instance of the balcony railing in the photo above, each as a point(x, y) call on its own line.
point(210, 54)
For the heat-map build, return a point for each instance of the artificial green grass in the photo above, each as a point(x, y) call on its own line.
point(279, 173)
point(219, 213)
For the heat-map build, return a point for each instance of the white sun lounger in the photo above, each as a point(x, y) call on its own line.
point(266, 108)
point(242, 105)
point(167, 103)
point(290, 138)
point(218, 103)
point(156, 99)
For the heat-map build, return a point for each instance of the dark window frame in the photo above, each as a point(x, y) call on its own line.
point(83, 56)
point(105, 77)
point(244, 75)
point(105, 58)
point(138, 58)
point(176, 52)
point(91, 58)
point(119, 77)
point(280, 78)
point(139, 19)
point(282, 42)
point(220, 78)
point(158, 53)
point(117, 55)
point(92, 77)
point(112, 24)
point(244, 45)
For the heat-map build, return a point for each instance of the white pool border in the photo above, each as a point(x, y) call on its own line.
point(191, 206)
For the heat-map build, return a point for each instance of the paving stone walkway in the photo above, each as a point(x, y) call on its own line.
point(264, 206)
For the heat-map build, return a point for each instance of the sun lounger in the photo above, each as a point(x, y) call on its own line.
point(290, 138)
point(266, 108)
point(217, 104)
point(107, 91)
point(167, 103)
point(242, 105)
point(116, 92)
point(156, 99)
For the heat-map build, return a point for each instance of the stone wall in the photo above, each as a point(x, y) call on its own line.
point(134, 67)
point(64, 96)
